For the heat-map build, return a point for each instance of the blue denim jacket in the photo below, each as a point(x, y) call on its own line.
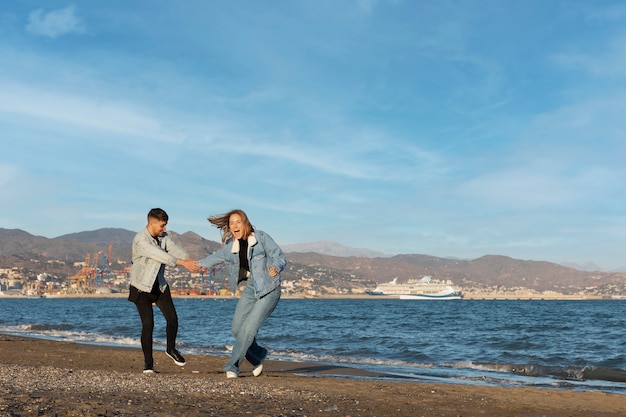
point(150, 258)
point(263, 252)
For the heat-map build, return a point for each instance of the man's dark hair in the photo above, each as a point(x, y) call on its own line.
point(159, 214)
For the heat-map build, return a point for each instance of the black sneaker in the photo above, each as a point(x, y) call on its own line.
point(149, 370)
point(176, 357)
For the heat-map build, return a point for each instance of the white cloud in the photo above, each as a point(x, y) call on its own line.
point(607, 61)
point(8, 173)
point(539, 185)
point(70, 110)
point(614, 12)
point(366, 5)
point(54, 23)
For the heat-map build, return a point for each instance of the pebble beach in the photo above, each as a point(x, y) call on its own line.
point(41, 377)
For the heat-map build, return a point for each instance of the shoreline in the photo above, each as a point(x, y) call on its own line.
point(493, 297)
point(44, 377)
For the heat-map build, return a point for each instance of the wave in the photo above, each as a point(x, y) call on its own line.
point(583, 377)
point(576, 373)
point(64, 334)
point(44, 327)
point(513, 374)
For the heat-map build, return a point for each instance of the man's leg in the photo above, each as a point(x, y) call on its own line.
point(147, 327)
point(166, 305)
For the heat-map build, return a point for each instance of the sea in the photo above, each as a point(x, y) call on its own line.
point(569, 345)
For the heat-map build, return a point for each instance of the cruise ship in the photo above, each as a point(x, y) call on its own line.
point(419, 289)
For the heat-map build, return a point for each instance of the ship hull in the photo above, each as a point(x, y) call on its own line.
point(423, 289)
point(454, 296)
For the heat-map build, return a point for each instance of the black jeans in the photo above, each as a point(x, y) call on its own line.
point(146, 313)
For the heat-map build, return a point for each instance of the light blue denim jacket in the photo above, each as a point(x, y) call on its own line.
point(263, 252)
point(150, 258)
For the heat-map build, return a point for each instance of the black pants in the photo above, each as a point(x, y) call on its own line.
point(146, 313)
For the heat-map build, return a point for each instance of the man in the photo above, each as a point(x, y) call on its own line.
point(153, 249)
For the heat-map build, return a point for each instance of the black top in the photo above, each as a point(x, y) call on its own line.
point(244, 266)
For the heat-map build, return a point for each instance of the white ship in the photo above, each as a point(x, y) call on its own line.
point(423, 289)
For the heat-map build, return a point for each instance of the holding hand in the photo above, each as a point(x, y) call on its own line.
point(190, 264)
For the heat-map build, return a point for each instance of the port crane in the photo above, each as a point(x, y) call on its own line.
point(89, 272)
point(82, 278)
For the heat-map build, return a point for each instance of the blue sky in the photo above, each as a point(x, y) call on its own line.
point(447, 128)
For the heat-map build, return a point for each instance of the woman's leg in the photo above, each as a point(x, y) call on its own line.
point(147, 327)
point(256, 354)
point(250, 314)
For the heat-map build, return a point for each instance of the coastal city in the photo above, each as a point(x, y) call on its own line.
point(96, 277)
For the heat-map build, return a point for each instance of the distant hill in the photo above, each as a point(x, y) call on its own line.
point(590, 266)
point(18, 247)
point(75, 246)
point(486, 271)
point(102, 237)
point(333, 249)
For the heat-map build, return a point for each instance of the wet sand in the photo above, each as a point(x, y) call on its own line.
point(47, 378)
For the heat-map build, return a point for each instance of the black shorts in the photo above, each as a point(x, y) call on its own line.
point(141, 297)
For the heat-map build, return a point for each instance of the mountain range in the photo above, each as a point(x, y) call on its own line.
point(334, 262)
point(326, 247)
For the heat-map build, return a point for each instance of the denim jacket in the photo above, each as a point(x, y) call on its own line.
point(263, 252)
point(150, 258)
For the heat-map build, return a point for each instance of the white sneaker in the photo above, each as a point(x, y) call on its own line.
point(231, 374)
point(257, 370)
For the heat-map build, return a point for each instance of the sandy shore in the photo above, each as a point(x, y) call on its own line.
point(46, 378)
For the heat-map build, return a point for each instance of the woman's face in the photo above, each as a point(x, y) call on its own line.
point(235, 224)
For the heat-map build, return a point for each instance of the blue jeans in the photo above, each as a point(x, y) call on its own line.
point(250, 314)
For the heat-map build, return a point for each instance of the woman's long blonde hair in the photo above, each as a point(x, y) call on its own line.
point(222, 222)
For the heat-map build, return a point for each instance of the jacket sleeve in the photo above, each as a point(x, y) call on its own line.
point(145, 248)
point(174, 250)
point(213, 259)
point(275, 255)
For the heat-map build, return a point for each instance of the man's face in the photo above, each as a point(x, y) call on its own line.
point(156, 227)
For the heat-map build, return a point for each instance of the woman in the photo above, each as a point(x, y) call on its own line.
point(248, 255)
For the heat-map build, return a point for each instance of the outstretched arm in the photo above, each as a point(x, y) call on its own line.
point(190, 264)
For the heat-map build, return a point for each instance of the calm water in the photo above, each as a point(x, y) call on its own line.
point(560, 344)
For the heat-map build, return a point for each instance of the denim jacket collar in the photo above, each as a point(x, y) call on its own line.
point(251, 242)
